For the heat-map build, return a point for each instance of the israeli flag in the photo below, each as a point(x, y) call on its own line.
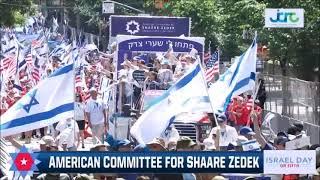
point(161, 112)
point(251, 145)
point(239, 78)
point(48, 102)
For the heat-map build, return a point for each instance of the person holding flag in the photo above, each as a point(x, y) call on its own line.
point(162, 111)
point(239, 78)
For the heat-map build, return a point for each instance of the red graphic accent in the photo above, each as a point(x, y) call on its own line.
point(23, 162)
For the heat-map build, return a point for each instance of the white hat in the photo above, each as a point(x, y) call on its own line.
point(93, 89)
point(47, 140)
point(91, 47)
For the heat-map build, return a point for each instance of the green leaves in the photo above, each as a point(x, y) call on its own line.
point(13, 12)
point(223, 23)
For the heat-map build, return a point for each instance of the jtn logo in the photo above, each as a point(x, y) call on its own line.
point(284, 16)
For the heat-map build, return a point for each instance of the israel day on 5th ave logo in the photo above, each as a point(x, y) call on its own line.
point(291, 162)
point(24, 162)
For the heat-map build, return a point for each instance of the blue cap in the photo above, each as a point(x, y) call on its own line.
point(280, 140)
point(136, 58)
point(221, 118)
point(281, 133)
point(246, 131)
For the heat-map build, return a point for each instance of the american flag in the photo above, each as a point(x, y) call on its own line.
point(8, 65)
point(78, 80)
point(37, 43)
point(5, 62)
point(212, 66)
point(206, 57)
point(36, 71)
point(28, 57)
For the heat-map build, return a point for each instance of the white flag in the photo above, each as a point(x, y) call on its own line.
point(161, 112)
point(48, 102)
point(239, 78)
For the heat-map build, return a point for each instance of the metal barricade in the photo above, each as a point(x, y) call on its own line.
point(281, 123)
point(293, 97)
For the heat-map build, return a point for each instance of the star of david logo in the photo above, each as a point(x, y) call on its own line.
point(33, 101)
point(24, 162)
point(132, 27)
point(250, 147)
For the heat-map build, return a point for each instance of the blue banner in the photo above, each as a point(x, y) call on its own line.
point(149, 26)
point(151, 162)
point(157, 44)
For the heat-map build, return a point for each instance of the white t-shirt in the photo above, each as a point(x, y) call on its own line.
point(95, 108)
point(68, 132)
point(227, 135)
point(78, 111)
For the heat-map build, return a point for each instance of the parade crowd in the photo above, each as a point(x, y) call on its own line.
point(89, 128)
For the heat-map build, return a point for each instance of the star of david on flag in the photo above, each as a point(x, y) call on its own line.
point(33, 101)
point(47, 103)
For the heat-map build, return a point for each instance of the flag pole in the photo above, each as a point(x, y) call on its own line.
point(74, 100)
point(204, 81)
point(256, 89)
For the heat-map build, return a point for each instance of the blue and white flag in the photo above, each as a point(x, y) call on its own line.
point(59, 50)
point(161, 112)
point(48, 102)
point(251, 145)
point(239, 78)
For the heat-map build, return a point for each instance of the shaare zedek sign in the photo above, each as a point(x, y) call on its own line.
point(149, 26)
point(129, 44)
point(284, 18)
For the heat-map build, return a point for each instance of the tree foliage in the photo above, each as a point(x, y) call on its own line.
point(297, 47)
point(13, 12)
point(223, 23)
point(91, 12)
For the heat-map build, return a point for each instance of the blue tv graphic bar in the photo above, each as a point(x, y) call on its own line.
point(150, 162)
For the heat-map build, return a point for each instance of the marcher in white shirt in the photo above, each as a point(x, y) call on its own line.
point(228, 134)
point(68, 137)
point(96, 115)
point(79, 117)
